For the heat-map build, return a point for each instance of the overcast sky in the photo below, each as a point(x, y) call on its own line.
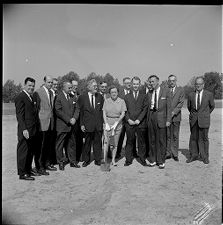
point(47, 39)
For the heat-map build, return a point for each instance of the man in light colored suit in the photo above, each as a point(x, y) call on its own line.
point(200, 104)
point(177, 101)
point(158, 118)
point(46, 117)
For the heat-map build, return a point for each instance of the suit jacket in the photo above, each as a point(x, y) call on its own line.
point(45, 109)
point(164, 107)
point(206, 107)
point(136, 108)
point(143, 90)
point(65, 110)
point(177, 102)
point(91, 118)
point(26, 114)
point(121, 93)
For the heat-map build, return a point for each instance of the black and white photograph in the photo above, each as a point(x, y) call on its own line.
point(112, 114)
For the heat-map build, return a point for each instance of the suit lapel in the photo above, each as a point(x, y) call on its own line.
point(176, 90)
point(46, 96)
point(203, 98)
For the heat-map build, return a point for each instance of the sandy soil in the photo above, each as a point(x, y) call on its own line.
point(132, 195)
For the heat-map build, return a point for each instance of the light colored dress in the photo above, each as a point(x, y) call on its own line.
point(113, 110)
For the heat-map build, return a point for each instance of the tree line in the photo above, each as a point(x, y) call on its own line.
point(213, 83)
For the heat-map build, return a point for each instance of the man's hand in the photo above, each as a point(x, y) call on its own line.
point(83, 128)
point(72, 121)
point(107, 127)
point(131, 122)
point(167, 124)
point(137, 122)
point(26, 134)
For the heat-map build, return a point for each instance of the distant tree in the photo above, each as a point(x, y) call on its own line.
point(10, 91)
point(213, 84)
point(67, 77)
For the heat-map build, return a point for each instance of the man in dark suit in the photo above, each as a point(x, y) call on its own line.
point(146, 88)
point(46, 117)
point(77, 128)
point(158, 118)
point(126, 89)
point(200, 104)
point(177, 101)
point(54, 90)
point(135, 117)
point(91, 121)
point(103, 86)
point(67, 111)
point(28, 125)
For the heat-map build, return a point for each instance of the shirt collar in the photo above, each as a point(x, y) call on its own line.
point(27, 93)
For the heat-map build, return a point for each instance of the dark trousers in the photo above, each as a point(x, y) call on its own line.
point(53, 158)
point(66, 140)
point(79, 142)
point(157, 139)
point(173, 139)
point(199, 142)
point(95, 138)
point(26, 148)
point(121, 139)
point(131, 140)
point(44, 155)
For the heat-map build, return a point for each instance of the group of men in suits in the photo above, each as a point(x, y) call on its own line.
point(52, 124)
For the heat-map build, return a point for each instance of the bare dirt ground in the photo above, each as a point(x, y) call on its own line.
point(124, 196)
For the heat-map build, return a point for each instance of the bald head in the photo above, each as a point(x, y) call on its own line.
point(48, 82)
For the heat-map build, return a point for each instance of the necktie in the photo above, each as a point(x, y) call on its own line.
point(171, 92)
point(31, 97)
point(155, 101)
point(68, 97)
point(135, 95)
point(50, 95)
point(198, 101)
point(92, 100)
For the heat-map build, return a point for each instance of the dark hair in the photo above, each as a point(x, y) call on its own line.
point(172, 75)
point(136, 78)
point(125, 78)
point(103, 82)
point(55, 79)
point(112, 87)
point(29, 79)
point(154, 76)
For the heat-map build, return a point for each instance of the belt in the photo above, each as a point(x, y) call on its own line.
point(112, 117)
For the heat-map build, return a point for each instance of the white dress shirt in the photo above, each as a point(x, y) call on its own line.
point(28, 95)
point(126, 91)
point(90, 94)
point(65, 95)
point(153, 97)
point(47, 92)
point(136, 94)
point(201, 94)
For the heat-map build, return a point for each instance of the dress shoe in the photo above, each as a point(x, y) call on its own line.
point(176, 158)
point(26, 177)
point(206, 161)
point(85, 164)
point(51, 168)
point(43, 172)
point(162, 166)
point(61, 166)
point(74, 165)
point(97, 163)
point(127, 163)
point(34, 173)
point(191, 160)
point(168, 157)
point(152, 164)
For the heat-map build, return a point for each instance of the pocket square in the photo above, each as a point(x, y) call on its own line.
point(163, 98)
point(99, 103)
point(74, 102)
